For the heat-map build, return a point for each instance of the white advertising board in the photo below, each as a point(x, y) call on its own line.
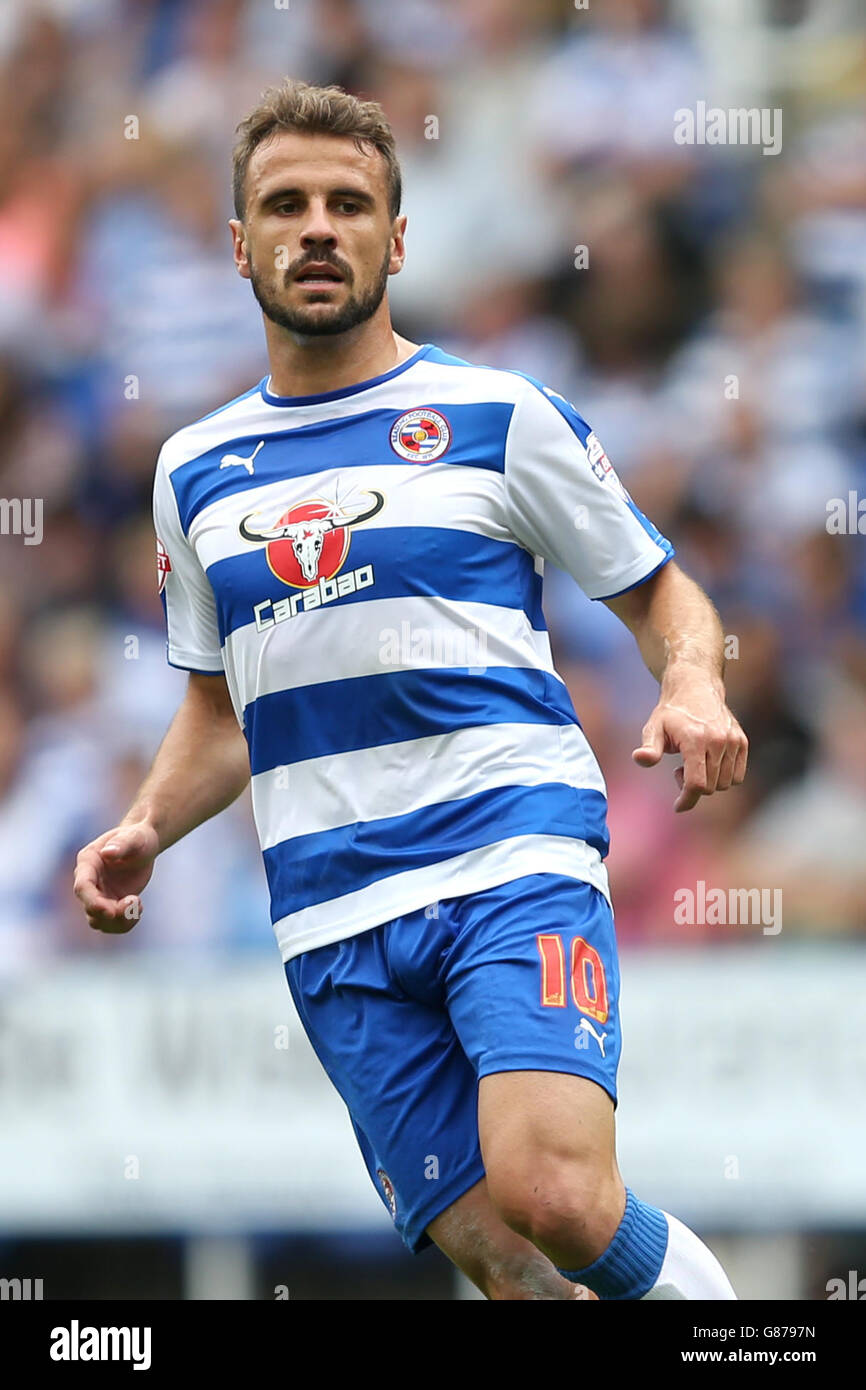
point(159, 1093)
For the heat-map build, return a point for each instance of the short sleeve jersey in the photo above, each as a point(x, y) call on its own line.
point(365, 567)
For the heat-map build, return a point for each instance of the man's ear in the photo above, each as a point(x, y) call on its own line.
point(239, 247)
point(398, 253)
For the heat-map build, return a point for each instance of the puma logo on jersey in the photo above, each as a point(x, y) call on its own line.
point(588, 1028)
point(238, 460)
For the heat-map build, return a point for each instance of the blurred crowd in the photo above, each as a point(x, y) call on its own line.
point(703, 306)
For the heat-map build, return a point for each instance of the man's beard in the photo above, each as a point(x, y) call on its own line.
point(356, 310)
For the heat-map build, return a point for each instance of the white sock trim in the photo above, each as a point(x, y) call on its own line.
point(689, 1269)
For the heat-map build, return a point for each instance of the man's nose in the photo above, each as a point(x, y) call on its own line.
point(318, 228)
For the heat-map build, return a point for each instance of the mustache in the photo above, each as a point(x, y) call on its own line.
point(321, 258)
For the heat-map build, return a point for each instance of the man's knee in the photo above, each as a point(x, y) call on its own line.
point(502, 1264)
point(567, 1207)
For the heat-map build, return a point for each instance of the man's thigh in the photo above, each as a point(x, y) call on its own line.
point(549, 1150)
point(542, 1131)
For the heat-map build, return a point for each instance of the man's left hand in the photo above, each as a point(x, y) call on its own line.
point(692, 718)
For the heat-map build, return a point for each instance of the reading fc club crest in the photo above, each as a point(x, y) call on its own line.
point(420, 435)
point(388, 1189)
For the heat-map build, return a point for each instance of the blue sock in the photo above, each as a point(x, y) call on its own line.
point(630, 1265)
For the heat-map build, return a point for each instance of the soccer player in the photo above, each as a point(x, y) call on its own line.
point(350, 558)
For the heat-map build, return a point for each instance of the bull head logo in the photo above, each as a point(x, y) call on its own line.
point(307, 536)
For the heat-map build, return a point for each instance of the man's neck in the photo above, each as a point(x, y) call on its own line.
point(312, 366)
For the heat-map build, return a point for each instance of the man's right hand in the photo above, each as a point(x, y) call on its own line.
point(112, 871)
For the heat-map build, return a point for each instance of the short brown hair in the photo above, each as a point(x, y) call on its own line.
point(301, 107)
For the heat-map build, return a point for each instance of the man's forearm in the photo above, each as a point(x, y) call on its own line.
point(675, 626)
point(201, 767)
point(680, 638)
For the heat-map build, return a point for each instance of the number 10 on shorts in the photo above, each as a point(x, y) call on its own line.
point(586, 976)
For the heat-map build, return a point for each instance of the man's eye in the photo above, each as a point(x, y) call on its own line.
point(285, 207)
point(348, 207)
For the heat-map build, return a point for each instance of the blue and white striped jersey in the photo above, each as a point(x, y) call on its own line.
point(366, 568)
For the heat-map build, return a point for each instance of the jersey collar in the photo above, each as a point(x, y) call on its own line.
point(345, 390)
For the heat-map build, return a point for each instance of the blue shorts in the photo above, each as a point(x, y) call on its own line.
point(408, 1016)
